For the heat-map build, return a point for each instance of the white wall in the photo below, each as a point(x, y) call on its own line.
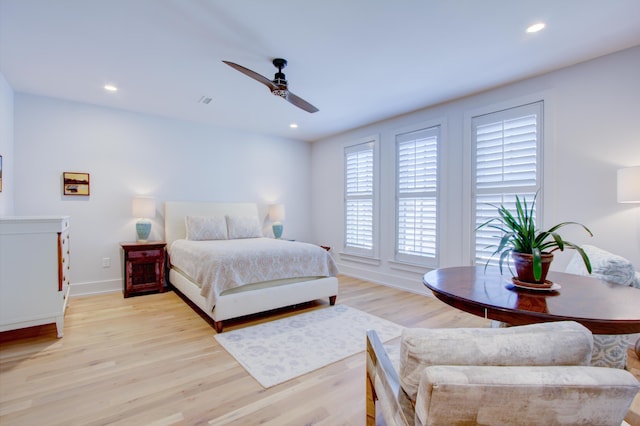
point(6, 146)
point(592, 128)
point(128, 154)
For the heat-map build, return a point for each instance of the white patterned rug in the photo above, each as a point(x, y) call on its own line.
point(280, 350)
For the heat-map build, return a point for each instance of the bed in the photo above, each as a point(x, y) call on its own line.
point(219, 260)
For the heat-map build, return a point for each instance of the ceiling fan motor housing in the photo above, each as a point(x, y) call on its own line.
point(279, 63)
point(280, 79)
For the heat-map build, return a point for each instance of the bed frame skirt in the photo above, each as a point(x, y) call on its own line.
point(255, 301)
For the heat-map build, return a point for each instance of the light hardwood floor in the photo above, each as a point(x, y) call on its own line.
point(153, 360)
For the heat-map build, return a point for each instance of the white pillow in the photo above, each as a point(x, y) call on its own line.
point(243, 227)
point(201, 228)
point(604, 265)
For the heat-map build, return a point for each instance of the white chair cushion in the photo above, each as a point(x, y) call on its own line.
point(555, 343)
point(524, 395)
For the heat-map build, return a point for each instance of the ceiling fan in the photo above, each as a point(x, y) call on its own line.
point(277, 86)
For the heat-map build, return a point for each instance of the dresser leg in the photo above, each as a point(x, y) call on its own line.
point(59, 326)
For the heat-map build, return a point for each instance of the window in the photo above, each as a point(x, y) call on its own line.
point(359, 198)
point(507, 150)
point(416, 196)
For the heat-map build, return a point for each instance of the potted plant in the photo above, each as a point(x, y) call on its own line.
point(531, 249)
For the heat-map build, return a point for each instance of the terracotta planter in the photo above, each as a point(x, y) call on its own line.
point(524, 268)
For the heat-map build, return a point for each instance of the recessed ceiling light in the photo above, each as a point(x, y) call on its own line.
point(110, 88)
point(536, 27)
point(293, 125)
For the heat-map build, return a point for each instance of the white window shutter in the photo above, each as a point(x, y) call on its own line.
point(417, 190)
point(359, 191)
point(507, 146)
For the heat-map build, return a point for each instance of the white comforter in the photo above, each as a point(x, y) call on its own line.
point(220, 265)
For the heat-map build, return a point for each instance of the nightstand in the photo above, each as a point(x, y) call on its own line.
point(143, 266)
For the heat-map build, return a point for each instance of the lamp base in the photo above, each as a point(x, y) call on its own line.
point(277, 230)
point(143, 229)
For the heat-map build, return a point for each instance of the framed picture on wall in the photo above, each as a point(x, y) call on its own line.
point(75, 183)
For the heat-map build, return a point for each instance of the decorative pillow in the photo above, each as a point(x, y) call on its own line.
point(610, 350)
point(604, 265)
point(201, 228)
point(243, 227)
point(555, 343)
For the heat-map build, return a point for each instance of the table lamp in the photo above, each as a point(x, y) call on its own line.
point(276, 214)
point(629, 185)
point(144, 208)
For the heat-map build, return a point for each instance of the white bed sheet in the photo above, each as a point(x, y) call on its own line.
point(220, 265)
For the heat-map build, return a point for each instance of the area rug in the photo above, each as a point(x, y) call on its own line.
point(280, 350)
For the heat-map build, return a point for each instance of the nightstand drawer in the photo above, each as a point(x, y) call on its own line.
point(143, 254)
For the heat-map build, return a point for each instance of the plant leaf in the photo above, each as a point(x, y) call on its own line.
point(583, 255)
point(537, 263)
point(519, 234)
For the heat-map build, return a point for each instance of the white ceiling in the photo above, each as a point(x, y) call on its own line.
point(358, 61)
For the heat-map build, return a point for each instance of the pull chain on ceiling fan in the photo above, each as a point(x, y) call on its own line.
point(277, 86)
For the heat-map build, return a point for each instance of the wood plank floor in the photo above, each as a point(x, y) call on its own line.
point(153, 360)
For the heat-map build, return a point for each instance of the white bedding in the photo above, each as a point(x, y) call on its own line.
point(220, 265)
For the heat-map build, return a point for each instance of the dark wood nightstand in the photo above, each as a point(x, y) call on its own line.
point(143, 266)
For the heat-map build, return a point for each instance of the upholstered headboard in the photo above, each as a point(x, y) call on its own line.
point(176, 211)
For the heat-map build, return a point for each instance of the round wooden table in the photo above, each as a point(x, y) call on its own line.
point(601, 306)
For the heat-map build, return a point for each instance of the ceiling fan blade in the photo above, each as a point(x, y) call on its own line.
point(278, 86)
point(252, 74)
point(301, 103)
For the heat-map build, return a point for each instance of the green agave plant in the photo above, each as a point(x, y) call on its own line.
point(520, 235)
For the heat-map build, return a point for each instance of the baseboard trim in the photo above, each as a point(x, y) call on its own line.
point(95, 287)
point(411, 282)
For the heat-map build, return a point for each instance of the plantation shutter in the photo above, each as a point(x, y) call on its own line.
point(417, 186)
point(359, 190)
point(506, 150)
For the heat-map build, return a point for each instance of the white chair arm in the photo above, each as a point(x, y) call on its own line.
point(383, 385)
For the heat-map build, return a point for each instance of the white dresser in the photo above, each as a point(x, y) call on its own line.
point(34, 271)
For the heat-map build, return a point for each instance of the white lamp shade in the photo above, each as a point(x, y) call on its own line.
point(629, 185)
point(144, 207)
point(276, 212)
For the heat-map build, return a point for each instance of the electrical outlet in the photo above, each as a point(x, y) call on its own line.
point(106, 262)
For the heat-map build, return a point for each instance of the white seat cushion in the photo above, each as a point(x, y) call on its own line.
point(555, 343)
point(524, 395)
